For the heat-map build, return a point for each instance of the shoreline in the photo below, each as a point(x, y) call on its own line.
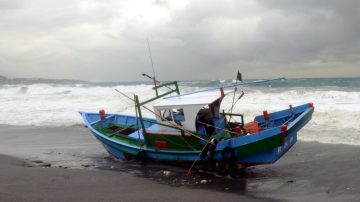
point(310, 171)
point(22, 183)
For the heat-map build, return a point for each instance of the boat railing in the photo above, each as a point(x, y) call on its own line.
point(99, 120)
point(232, 114)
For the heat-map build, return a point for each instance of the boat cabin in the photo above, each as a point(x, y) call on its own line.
point(190, 110)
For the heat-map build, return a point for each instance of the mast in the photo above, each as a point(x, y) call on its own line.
point(152, 64)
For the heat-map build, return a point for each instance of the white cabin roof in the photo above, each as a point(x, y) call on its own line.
point(200, 98)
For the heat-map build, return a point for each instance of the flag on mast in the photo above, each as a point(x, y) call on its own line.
point(239, 76)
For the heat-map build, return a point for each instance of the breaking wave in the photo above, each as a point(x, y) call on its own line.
point(336, 118)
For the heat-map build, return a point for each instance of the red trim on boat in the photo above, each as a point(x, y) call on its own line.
point(266, 115)
point(161, 144)
point(102, 114)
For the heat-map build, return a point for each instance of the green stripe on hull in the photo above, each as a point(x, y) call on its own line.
point(176, 142)
point(118, 137)
point(259, 146)
point(268, 143)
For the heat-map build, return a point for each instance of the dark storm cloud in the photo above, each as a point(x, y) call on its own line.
point(106, 40)
point(329, 29)
point(289, 35)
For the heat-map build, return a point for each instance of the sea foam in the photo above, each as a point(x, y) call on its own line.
point(335, 120)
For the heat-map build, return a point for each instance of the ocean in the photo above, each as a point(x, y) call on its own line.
point(46, 102)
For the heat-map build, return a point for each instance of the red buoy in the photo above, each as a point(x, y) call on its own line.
point(266, 115)
point(102, 114)
point(237, 129)
point(161, 144)
point(311, 104)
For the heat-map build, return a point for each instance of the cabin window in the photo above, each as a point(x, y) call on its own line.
point(166, 115)
point(178, 114)
point(172, 114)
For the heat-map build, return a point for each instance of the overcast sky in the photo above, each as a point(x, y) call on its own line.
point(107, 40)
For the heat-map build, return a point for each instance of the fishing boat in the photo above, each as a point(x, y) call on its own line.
point(191, 129)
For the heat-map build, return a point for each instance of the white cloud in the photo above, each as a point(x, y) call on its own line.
point(106, 40)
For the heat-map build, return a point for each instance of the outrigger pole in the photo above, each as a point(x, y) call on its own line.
point(229, 86)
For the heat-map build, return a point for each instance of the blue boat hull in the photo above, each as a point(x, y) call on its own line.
point(123, 150)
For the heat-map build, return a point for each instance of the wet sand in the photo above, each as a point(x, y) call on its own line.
point(68, 164)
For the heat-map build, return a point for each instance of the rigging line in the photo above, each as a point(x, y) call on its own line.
point(242, 94)
point(193, 148)
point(189, 145)
point(151, 60)
point(238, 77)
point(152, 67)
point(232, 104)
point(174, 125)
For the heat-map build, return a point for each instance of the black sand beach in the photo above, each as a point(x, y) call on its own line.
point(68, 164)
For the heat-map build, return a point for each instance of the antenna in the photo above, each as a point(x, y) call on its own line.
point(151, 60)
